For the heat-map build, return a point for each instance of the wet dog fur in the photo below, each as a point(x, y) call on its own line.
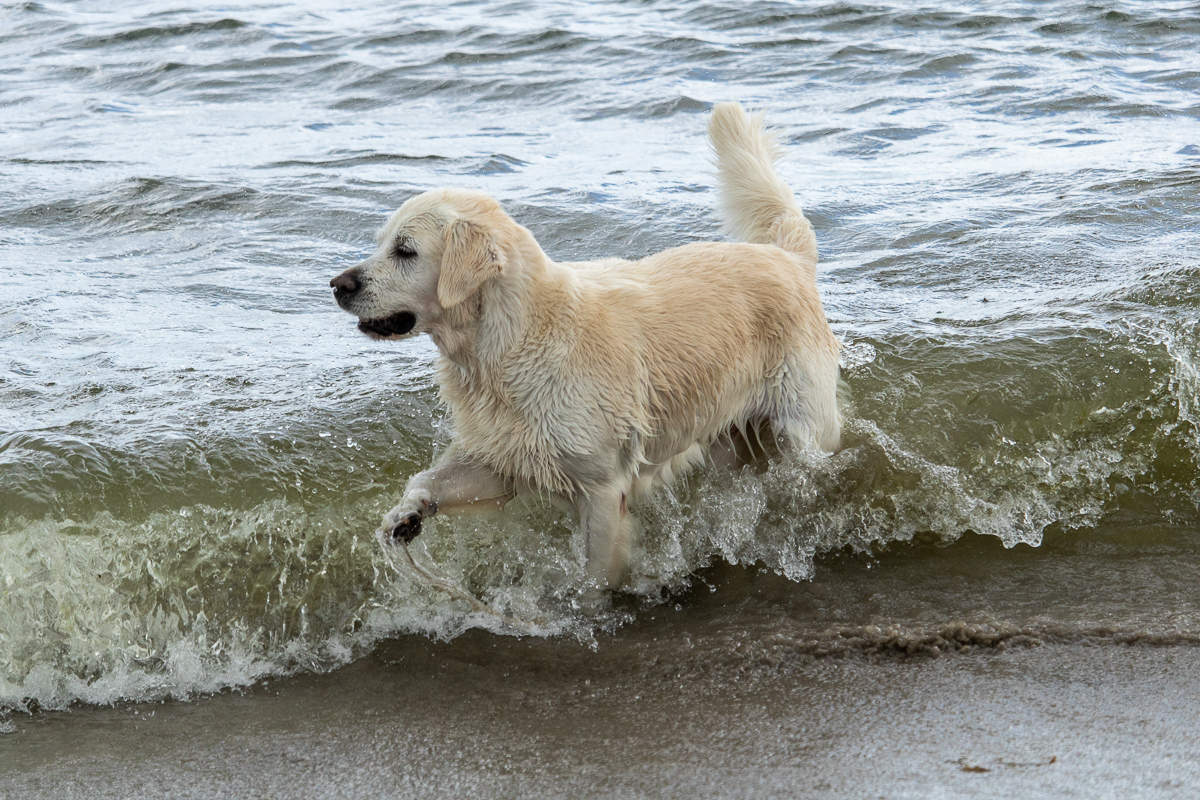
point(595, 381)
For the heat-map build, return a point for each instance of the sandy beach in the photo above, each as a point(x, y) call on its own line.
point(692, 701)
point(1058, 721)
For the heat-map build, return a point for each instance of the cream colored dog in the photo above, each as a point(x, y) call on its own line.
point(595, 380)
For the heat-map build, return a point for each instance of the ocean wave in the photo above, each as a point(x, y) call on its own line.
point(166, 559)
point(197, 598)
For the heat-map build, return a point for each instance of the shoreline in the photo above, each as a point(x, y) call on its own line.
point(963, 671)
point(484, 716)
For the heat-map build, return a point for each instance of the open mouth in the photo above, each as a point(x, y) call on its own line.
point(395, 325)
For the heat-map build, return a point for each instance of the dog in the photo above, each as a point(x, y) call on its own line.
point(595, 381)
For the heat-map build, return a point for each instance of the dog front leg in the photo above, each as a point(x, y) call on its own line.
point(602, 515)
point(450, 485)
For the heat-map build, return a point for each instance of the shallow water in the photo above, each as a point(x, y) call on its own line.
point(195, 443)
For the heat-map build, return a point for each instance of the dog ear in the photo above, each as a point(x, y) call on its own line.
point(469, 258)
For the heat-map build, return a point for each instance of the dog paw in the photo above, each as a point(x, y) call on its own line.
point(407, 528)
point(403, 522)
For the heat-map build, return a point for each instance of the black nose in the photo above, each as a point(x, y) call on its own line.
point(345, 284)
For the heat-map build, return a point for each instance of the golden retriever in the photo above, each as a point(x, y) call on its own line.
point(593, 381)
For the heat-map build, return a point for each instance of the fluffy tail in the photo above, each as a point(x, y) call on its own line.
point(758, 205)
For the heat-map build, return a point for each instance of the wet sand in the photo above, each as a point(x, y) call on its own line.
point(749, 691)
point(469, 720)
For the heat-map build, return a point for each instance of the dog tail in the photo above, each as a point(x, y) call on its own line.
point(758, 205)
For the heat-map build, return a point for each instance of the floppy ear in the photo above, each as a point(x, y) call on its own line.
point(469, 258)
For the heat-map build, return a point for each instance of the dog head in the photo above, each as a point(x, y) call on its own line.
point(434, 253)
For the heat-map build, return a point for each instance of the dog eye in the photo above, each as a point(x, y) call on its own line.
point(404, 252)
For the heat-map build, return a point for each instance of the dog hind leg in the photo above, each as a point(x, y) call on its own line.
point(803, 406)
